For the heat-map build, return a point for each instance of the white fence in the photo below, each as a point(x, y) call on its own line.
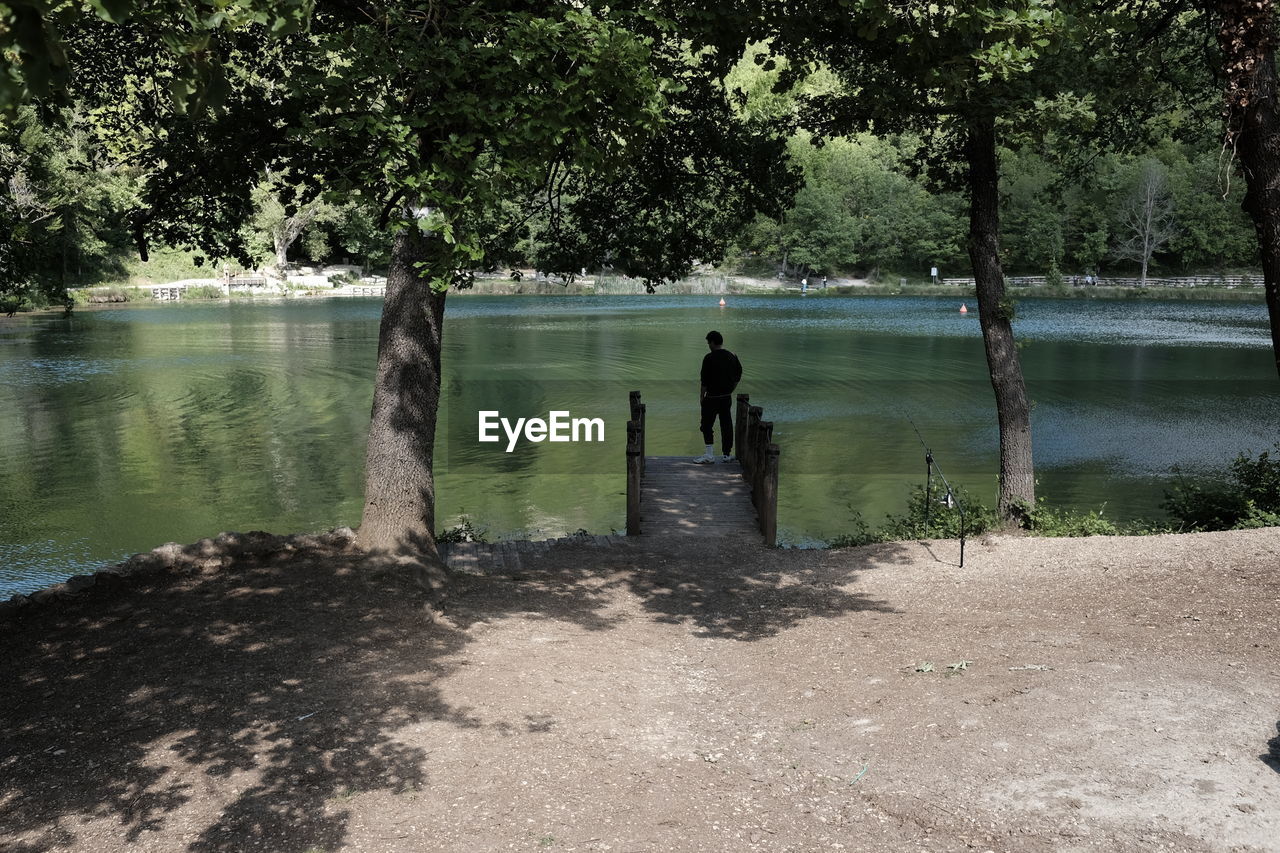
point(1227, 281)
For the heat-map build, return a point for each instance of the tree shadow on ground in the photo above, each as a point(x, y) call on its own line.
point(270, 679)
point(258, 698)
point(1271, 757)
point(741, 592)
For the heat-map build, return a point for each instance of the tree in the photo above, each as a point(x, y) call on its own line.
point(452, 119)
point(1146, 219)
point(1247, 39)
point(280, 221)
point(34, 62)
point(952, 74)
point(60, 208)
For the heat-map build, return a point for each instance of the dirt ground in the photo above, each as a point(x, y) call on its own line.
point(1103, 694)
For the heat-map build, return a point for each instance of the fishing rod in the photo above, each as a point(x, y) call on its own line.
point(950, 501)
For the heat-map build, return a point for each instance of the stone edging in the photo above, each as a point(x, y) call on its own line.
point(207, 555)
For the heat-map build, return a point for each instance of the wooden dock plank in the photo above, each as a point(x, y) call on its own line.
point(680, 497)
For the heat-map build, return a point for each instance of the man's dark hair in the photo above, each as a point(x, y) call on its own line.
point(715, 338)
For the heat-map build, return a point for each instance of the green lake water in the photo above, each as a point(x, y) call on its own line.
point(124, 428)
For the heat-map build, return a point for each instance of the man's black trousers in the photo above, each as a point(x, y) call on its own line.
point(713, 407)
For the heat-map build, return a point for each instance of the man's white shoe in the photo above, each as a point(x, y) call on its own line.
point(704, 459)
point(727, 458)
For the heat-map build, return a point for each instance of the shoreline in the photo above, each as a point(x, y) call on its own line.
point(214, 554)
point(510, 287)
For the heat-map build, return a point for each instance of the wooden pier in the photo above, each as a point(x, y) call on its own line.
point(675, 496)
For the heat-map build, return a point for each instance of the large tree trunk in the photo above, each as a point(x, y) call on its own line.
point(399, 502)
point(995, 313)
point(1247, 37)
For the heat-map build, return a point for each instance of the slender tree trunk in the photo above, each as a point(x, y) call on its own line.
point(282, 252)
point(1248, 41)
point(399, 503)
point(995, 313)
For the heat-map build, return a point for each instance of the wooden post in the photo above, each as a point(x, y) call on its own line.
point(634, 474)
point(642, 439)
point(764, 435)
point(753, 428)
point(768, 506)
point(740, 427)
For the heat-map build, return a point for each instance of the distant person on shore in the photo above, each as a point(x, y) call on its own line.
point(721, 373)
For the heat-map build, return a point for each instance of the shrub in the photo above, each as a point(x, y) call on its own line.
point(203, 291)
point(1047, 521)
point(1054, 278)
point(861, 534)
point(928, 516)
point(464, 531)
point(931, 516)
point(1247, 496)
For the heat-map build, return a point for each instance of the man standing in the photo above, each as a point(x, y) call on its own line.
point(721, 372)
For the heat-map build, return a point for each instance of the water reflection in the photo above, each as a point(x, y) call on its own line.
point(127, 427)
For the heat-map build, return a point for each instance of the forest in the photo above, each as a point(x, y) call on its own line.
point(863, 206)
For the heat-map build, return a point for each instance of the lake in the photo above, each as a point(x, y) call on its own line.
point(124, 428)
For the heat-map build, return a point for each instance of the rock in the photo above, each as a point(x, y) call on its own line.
point(15, 605)
point(339, 537)
point(168, 554)
point(204, 548)
point(258, 542)
point(80, 583)
point(108, 579)
point(230, 542)
point(48, 595)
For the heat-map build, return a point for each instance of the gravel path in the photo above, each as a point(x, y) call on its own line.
point(1091, 694)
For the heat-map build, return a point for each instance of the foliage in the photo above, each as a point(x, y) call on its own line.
point(36, 62)
point(1044, 520)
point(929, 515)
point(60, 214)
point(464, 531)
point(1247, 496)
point(203, 291)
point(166, 264)
point(673, 198)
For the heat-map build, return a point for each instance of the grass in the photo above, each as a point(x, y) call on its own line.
point(1244, 496)
point(165, 264)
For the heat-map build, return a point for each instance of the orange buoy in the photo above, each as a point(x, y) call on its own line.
point(964, 309)
point(721, 301)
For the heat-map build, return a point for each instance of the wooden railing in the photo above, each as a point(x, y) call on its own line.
point(753, 436)
point(757, 454)
point(635, 463)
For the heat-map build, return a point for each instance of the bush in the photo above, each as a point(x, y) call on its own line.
point(862, 534)
point(931, 516)
point(1046, 521)
point(203, 291)
point(1247, 496)
point(464, 531)
point(928, 516)
point(1054, 279)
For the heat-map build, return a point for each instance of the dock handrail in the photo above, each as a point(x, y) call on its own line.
point(635, 463)
point(759, 457)
point(757, 454)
